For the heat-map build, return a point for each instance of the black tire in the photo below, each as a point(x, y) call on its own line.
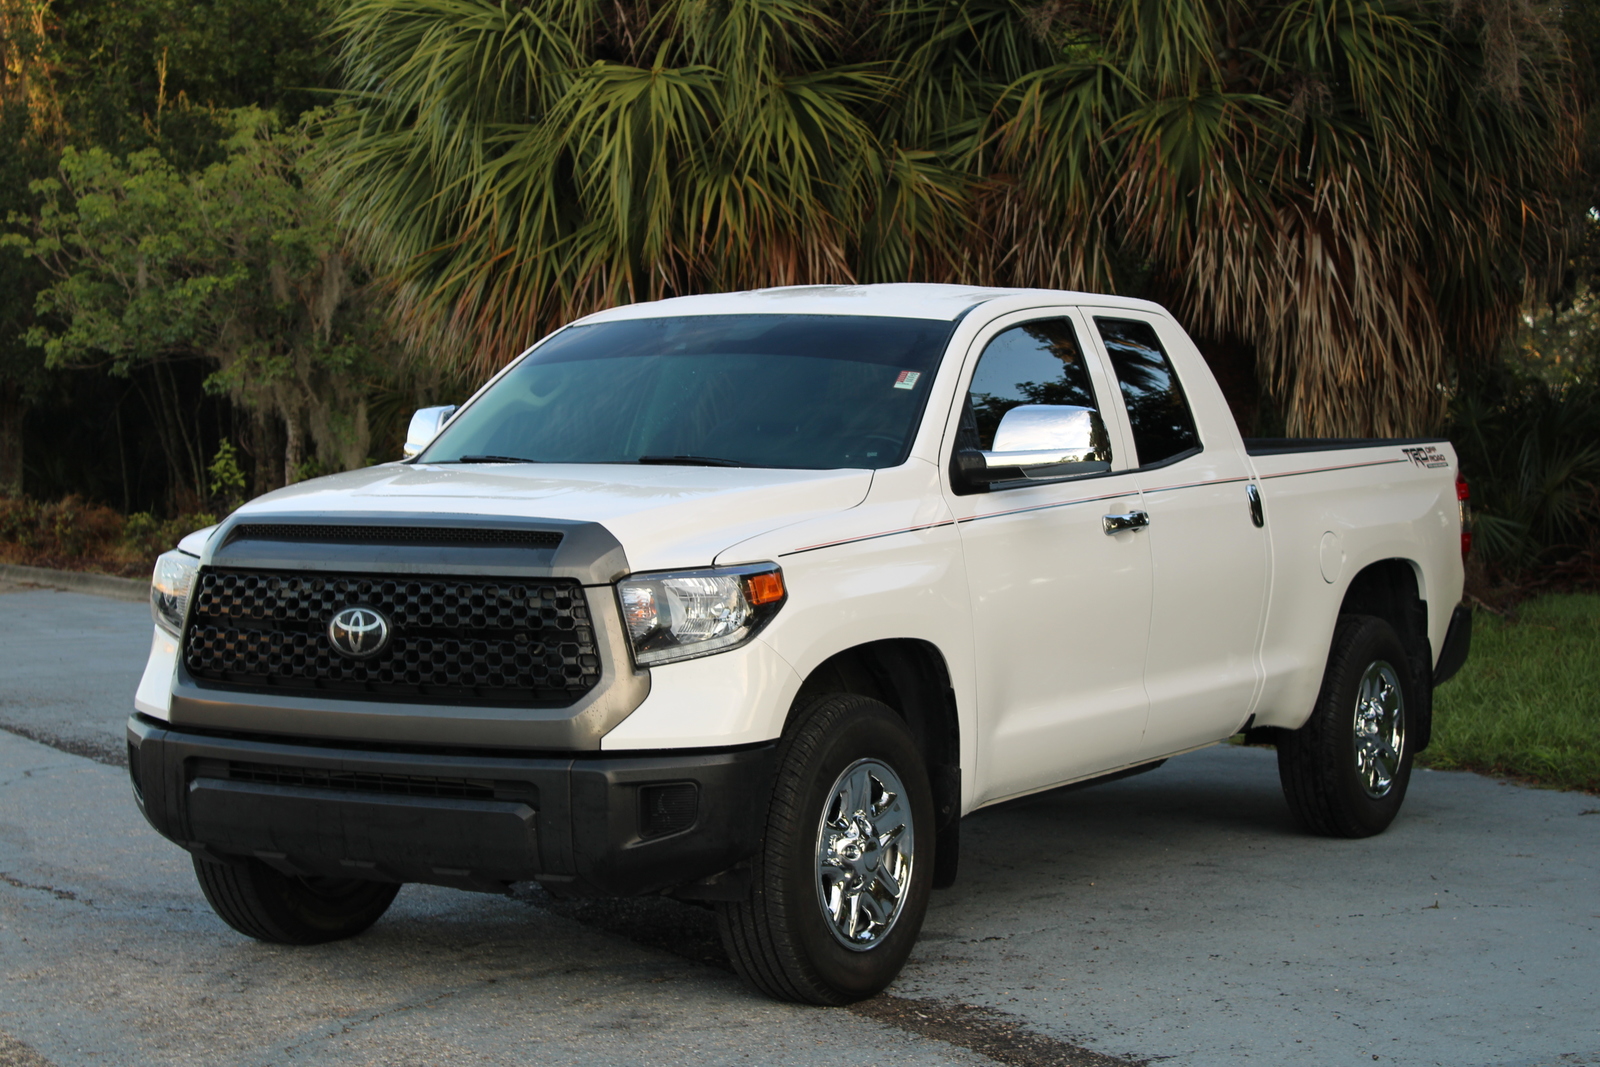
point(267, 905)
point(1328, 791)
point(780, 938)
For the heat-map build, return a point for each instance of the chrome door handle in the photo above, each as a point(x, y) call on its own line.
point(1132, 520)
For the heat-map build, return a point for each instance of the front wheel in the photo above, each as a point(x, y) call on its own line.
point(1345, 771)
point(268, 905)
point(841, 884)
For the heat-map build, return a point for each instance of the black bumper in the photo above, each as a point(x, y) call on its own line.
point(1457, 643)
point(591, 825)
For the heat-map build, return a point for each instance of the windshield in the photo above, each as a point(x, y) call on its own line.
point(802, 391)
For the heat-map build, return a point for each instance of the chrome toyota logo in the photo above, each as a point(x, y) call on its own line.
point(358, 633)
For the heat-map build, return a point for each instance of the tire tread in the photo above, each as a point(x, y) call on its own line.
point(1311, 763)
point(256, 901)
point(754, 930)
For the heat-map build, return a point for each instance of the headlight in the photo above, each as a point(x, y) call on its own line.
point(695, 613)
point(170, 587)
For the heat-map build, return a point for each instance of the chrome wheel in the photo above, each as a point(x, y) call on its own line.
point(865, 848)
point(1380, 728)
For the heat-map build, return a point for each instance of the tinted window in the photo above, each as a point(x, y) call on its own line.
point(802, 391)
point(1157, 411)
point(1035, 363)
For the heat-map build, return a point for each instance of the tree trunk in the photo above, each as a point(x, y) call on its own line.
point(12, 411)
point(266, 443)
point(293, 449)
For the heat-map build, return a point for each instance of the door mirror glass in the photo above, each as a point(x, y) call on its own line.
point(1048, 441)
point(425, 426)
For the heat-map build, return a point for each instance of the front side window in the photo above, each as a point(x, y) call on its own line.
point(1158, 412)
point(1036, 363)
point(795, 391)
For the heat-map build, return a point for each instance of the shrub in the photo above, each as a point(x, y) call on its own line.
point(75, 534)
point(1531, 451)
point(68, 529)
point(149, 536)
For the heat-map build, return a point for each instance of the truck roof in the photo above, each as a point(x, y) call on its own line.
point(907, 300)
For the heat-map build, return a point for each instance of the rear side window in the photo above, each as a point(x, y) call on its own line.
point(1158, 412)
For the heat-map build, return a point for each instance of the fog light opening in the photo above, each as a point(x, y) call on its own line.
point(668, 808)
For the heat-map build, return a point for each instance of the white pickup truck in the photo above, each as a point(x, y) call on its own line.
point(749, 598)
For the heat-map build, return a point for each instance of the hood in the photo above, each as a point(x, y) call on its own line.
point(665, 517)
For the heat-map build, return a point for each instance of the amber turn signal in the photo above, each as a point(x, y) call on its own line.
point(764, 588)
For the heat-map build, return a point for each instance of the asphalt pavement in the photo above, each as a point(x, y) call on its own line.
point(1176, 917)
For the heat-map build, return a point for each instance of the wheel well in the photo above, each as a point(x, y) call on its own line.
point(1388, 589)
point(909, 676)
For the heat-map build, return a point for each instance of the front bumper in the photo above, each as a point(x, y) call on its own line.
point(584, 825)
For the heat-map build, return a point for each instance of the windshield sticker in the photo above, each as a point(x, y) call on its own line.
point(1427, 457)
point(907, 379)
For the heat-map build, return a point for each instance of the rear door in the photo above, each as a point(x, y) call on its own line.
point(1210, 558)
point(1060, 608)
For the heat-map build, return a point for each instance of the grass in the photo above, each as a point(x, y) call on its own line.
point(1527, 703)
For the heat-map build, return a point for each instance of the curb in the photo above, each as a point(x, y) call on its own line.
point(77, 581)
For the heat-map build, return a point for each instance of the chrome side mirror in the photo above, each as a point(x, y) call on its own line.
point(1042, 441)
point(425, 426)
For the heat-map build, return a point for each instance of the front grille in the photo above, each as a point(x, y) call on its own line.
point(430, 536)
point(405, 785)
point(472, 641)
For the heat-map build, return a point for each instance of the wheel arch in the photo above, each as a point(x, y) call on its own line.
point(912, 677)
point(1392, 590)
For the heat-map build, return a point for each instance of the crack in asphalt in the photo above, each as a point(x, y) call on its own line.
point(349, 1024)
point(59, 894)
point(100, 751)
point(999, 1035)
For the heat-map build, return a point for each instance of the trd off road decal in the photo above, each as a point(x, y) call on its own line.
point(1427, 456)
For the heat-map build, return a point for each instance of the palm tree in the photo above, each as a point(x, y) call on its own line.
point(1361, 191)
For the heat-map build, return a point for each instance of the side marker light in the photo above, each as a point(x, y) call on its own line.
point(764, 588)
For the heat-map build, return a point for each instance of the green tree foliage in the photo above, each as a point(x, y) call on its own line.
point(28, 121)
point(235, 263)
point(227, 478)
point(1363, 191)
point(133, 74)
point(1527, 428)
point(126, 75)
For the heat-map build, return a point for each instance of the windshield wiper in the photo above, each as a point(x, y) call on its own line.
point(491, 459)
point(693, 461)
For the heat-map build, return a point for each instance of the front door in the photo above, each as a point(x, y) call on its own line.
point(1060, 608)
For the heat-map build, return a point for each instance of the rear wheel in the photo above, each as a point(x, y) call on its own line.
point(1345, 772)
point(268, 905)
point(841, 884)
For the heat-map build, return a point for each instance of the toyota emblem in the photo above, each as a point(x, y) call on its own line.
point(358, 633)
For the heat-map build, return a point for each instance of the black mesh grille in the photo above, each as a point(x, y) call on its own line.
point(453, 640)
point(667, 809)
point(408, 785)
point(446, 536)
